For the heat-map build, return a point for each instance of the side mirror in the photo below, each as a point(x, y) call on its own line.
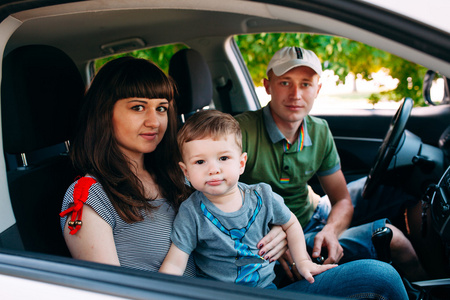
point(436, 91)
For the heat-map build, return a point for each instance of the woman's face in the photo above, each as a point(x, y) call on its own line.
point(139, 125)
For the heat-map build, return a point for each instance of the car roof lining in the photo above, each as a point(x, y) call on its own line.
point(90, 24)
point(104, 27)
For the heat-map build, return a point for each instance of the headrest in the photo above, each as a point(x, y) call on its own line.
point(41, 93)
point(191, 74)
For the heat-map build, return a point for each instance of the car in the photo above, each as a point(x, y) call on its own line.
point(49, 51)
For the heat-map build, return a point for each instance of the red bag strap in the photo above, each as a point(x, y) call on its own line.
point(80, 195)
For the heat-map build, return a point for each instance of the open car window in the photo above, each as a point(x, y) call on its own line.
point(159, 55)
point(356, 75)
point(236, 38)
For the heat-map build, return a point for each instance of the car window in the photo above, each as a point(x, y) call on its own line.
point(355, 75)
point(437, 90)
point(159, 55)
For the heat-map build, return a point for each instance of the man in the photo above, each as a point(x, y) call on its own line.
point(286, 147)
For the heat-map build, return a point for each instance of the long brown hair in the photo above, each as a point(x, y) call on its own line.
point(95, 150)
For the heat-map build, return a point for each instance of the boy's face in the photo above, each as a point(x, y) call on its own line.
point(293, 94)
point(213, 166)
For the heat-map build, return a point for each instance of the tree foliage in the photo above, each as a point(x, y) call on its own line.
point(159, 55)
point(341, 55)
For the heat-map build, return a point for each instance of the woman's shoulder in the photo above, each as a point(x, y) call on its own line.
point(87, 190)
point(84, 186)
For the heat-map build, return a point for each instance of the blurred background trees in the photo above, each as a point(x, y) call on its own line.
point(159, 55)
point(341, 55)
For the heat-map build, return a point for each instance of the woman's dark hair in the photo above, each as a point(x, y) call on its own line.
point(95, 150)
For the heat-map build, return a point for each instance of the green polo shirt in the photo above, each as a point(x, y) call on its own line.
point(287, 168)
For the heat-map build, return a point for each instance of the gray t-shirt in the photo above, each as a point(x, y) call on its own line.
point(141, 245)
point(225, 244)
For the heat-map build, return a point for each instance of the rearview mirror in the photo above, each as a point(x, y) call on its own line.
point(436, 88)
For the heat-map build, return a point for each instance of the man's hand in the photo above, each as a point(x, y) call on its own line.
point(328, 239)
point(287, 263)
point(339, 219)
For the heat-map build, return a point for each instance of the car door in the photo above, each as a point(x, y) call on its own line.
point(359, 133)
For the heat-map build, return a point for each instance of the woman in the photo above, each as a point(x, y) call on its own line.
point(126, 148)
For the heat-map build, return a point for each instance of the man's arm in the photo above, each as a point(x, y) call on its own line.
point(335, 187)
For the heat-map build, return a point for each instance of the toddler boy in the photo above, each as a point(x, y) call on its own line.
point(224, 218)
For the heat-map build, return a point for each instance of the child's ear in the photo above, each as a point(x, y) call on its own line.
point(184, 169)
point(243, 161)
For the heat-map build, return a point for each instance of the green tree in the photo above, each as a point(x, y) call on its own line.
point(159, 55)
point(410, 78)
point(341, 55)
point(345, 56)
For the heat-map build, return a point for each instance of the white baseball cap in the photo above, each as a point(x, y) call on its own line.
point(288, 58)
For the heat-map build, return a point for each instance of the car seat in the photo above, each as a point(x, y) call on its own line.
point(191, 74)
point(41, 93)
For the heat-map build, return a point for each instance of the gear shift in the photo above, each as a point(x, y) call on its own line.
point(381, 240)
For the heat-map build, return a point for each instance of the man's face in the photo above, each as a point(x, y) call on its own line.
point(293, 94)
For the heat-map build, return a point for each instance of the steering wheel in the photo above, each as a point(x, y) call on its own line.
point(388, 147)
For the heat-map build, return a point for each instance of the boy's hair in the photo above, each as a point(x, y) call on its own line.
point(209, 123)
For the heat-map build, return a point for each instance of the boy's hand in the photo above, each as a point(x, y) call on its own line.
point(308, 269)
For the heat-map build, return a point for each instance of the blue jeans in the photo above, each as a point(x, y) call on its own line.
point(356, 241)
point(360, 279)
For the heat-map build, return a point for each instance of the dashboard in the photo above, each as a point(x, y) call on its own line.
point(440, 206)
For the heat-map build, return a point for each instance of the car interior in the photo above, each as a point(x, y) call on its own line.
point(193, 80)
point(49, 51)
point(35, 118)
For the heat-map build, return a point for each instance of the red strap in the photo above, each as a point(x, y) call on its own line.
point(80, 195)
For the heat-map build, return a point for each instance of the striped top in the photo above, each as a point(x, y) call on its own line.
point(141, 245)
